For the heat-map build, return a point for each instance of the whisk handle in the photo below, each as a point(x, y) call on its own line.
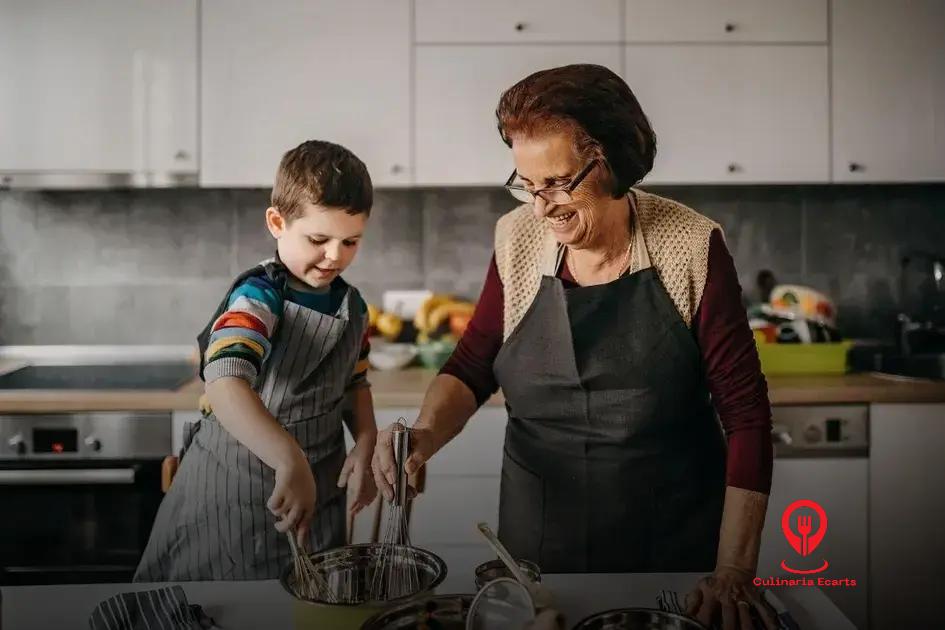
point(400, 437)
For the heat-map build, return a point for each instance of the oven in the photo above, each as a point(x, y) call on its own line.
point(79, 493)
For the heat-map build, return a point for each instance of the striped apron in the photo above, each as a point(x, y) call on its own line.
point(213, 524)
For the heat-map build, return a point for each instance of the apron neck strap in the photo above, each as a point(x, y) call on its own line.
point(640, 255)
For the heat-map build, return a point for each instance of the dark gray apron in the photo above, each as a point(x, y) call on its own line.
point(614, 460)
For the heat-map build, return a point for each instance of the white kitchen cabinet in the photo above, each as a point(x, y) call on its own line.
point(476, 451)
point(734, 114)
point(523, 21)
point(726, 21)
point(448, 511)
point(99, 87)
point(907, 509)
point(888, 91)
point(840, 486)
point(457, 90)
point(278, 73)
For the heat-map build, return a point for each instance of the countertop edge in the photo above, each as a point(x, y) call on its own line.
point(407, 389)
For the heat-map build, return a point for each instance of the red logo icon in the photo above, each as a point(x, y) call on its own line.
point(806, 539)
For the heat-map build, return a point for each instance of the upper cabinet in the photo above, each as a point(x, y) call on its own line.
point(104, 89)
point(125, 92)
point(277, 73)
point(458, 88)
point(734, 114)
point(523, 21)
point(726, 21)
point(888, 90)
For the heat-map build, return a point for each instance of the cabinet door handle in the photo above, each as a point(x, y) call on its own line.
point(855, 167)
point(181, 155)
point(396, 169)
point(729, 27)
point(520, 26)
point(733, 168)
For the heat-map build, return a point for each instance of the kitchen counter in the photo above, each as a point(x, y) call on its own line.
point(254, 605)
point(405, 388)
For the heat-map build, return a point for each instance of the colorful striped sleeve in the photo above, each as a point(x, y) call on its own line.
point(359, 376)
point(241, 336)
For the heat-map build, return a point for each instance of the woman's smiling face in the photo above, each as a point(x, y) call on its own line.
point(549, 160)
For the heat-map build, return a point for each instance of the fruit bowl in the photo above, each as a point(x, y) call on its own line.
point(385, 355)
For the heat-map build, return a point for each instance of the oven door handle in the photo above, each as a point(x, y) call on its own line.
point(66, 476)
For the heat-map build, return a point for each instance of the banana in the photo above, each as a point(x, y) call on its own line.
point(421, 319)
point(440, 314)
point(373, 314)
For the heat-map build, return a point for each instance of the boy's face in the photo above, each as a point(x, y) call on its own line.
point(319, 244)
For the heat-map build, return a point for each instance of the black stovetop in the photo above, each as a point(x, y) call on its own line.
point(128, 376)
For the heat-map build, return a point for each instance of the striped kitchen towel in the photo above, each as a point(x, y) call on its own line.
point(160, 609)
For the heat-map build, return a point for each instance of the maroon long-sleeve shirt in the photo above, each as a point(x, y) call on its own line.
point(730, 358)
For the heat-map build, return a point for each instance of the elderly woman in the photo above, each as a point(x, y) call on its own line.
point(612, 320)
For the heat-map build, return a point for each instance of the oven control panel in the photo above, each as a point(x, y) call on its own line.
point(839, 429)
point(105, 435)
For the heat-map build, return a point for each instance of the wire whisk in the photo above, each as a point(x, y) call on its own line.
point(396, 573)
point(309, 582)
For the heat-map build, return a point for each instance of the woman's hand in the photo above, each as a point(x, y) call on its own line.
point(422, 447)
point(547, 619)
point(357, 477)
point(729, 595)
point(293, 498)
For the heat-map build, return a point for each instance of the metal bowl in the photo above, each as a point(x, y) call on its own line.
point(488, 571)
point(349, 572)
point(638, 619)
point(444, 612)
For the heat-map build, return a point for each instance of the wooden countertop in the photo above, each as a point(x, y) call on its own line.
point(405, 388)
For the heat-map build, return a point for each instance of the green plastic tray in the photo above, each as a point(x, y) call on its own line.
point(804, 358)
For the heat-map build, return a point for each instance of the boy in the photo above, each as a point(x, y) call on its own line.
point(285, 352)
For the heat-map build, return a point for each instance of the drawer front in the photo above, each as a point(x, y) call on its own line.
point(726, 21)
point(524, 21)
point(448, 511)
point(477, 450)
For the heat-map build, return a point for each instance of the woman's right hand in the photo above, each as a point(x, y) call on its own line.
point(422, 447)
point(293, 498)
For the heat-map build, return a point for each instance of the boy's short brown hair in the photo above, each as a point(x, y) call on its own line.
point(321, 173)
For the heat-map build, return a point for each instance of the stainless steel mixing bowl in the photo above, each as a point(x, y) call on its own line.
point(638, 619)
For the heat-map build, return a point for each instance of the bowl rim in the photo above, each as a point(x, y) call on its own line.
point(380, 614)
point(497, 562)
point(647, 609)
point(435, 559)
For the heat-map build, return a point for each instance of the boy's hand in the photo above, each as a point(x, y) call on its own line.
point(356, 475)
point(293, 498)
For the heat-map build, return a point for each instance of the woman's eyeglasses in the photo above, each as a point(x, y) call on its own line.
point(556, 194)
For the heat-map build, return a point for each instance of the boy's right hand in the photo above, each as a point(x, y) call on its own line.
point(293, 498)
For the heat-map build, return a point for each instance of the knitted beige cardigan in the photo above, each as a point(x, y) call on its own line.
point(677, 240)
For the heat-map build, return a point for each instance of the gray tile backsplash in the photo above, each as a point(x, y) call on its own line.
point(148, 266)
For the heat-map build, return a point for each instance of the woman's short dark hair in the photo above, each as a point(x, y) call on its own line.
point(598, 106)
